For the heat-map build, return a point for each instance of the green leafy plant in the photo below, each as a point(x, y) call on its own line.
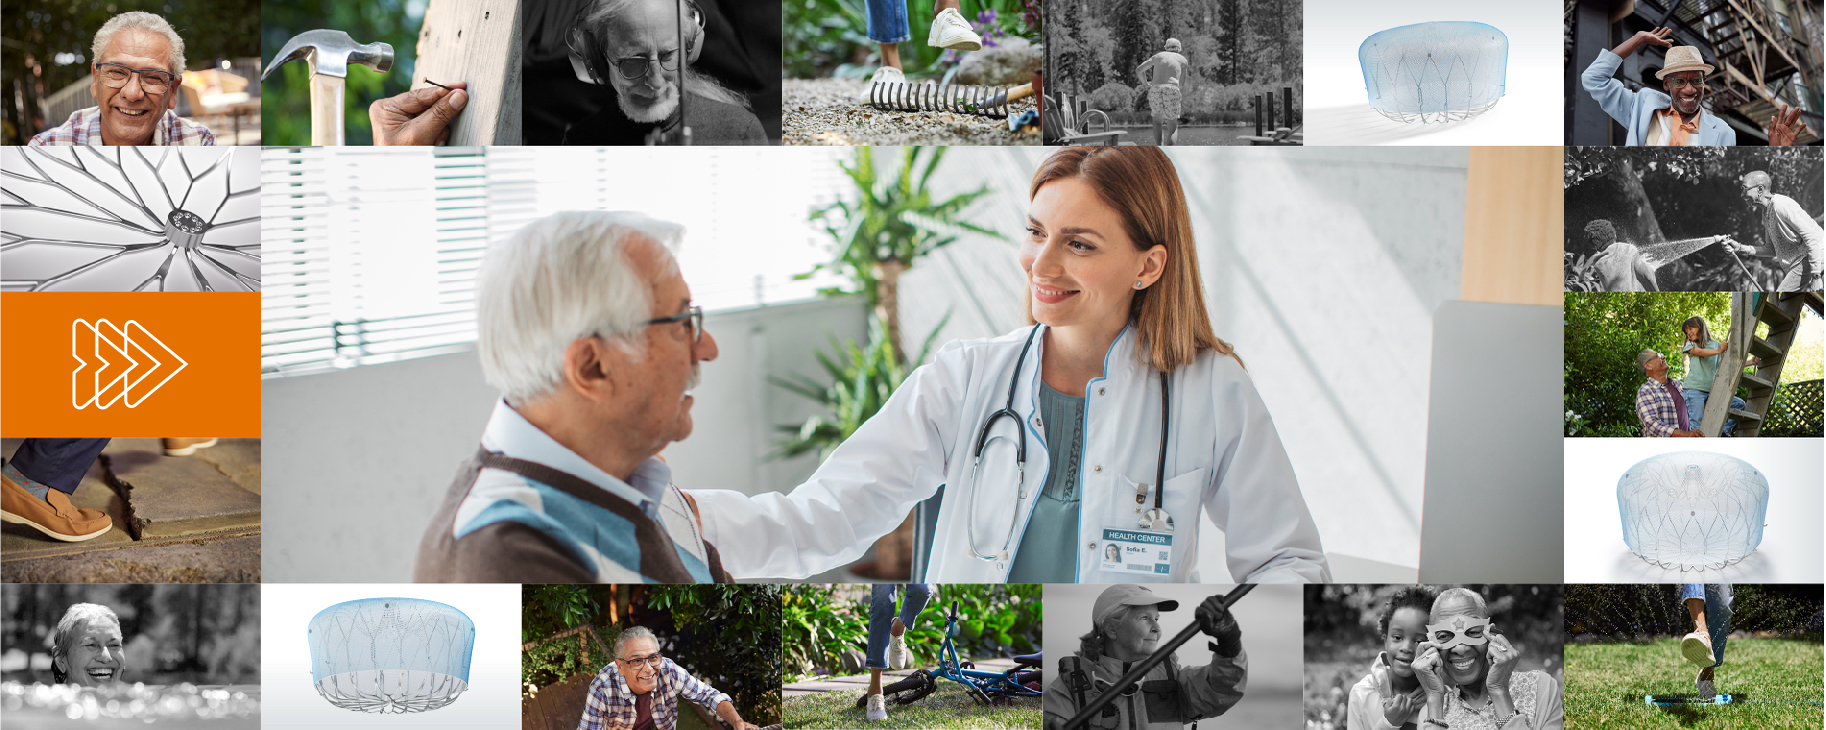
point(549, 609)
point(727, 635)
point(994, 620)
point(817, 626)
point(892, 219)
point(862, 379)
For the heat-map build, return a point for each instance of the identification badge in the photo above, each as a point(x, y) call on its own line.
point(1137, 551)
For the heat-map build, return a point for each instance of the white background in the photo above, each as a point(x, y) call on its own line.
point(1337, 103)
point(288, 699)
point(1792, 545)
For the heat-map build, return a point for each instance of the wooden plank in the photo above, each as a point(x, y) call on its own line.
point(1514, 204)
point(477, 41)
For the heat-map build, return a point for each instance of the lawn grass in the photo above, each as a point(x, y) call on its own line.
point(949, 707)
point(1605, 684)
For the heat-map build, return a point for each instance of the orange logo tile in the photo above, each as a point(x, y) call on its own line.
point(121, 365)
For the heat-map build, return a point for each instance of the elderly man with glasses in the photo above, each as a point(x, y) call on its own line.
point(1791, 236)
point(640, 690)
point(134, 74)
point(1674, 115)
point(588, 330)
point(633, 47)
point(1659, 404)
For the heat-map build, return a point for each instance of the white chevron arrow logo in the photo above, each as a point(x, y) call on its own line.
point(94, 381)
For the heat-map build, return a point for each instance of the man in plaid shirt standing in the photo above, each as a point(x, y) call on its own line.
point(1659, 405)
point(640, 690)
point(137, 67)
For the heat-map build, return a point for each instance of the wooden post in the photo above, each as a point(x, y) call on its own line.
point(1513, 210)
point(1256, 101)
point(1287, 106)
point(1730, 366)
point(476, 41)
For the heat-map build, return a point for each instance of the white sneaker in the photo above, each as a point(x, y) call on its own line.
point(878, 708)
point(1697, 648)
point(1704, 685)
point(950, 30)
point(883, 75)
point(898, 656)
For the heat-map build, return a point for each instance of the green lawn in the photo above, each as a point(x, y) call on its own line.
point(1605, 684)
point(949, 707)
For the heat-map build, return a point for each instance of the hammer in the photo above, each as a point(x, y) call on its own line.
point(330, 53)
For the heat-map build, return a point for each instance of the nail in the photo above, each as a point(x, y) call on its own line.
point(458, 99)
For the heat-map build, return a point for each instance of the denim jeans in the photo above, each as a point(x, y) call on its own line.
point(1718, 612)
point(57, 463)
point(881, 617)
point(887, 20)
point(1696, 409)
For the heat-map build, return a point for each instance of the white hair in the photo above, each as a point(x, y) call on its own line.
point(64, 637)
point(605, 13)
point(148, 22)
point(1173, 44)
point(558, 280)
point(1451, 593)
point(631, 633)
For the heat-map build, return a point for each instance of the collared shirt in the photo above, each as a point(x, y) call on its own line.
point(1668, 130)
point(499, 523)
point(610, 705)
point(1797, 238)
point(1537, 697)
point(1660, 408)
point(1364, 711)
point(84, 130)
point(1635, 110)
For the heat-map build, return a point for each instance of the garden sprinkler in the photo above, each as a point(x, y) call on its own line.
point(1680, 700)
point(1140, 669)
point(988, 101)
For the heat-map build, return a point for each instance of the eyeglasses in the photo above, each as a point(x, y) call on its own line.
point(634, 68)
point(695, 318)
point(152, 80)
point(651, 660)
point(1678, 83)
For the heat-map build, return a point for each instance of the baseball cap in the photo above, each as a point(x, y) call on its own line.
point(1117, 596)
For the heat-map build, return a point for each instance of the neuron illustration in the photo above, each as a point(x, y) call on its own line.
point(130, 219)
point(1435, 72)
point(391, 655)
point(1693, 510)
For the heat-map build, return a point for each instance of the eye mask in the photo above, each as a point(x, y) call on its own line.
point(1457, 626)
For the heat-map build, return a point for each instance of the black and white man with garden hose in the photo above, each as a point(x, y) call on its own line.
point(1123, 676)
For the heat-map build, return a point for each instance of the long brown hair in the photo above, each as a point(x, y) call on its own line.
point(1700, 322)
point(1141, 184)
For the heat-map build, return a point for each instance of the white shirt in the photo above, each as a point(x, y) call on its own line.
point(1224, 459)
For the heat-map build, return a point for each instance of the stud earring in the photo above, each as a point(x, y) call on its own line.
point(1137, 285)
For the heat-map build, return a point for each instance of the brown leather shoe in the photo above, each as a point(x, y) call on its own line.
point(53, 515)
point(186, 447)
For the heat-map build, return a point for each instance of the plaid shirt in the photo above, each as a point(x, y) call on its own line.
point(1655, 407)
point(84, 130)
point(611, 705)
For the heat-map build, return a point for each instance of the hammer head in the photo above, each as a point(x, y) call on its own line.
point(331, 52)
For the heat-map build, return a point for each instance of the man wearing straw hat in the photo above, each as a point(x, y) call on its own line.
point(1674, 115)
point(1125, 628)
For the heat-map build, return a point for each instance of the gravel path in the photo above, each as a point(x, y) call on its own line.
point(826, 112)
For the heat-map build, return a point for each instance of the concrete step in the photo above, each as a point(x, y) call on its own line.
point(233, 558)
point(203, 508)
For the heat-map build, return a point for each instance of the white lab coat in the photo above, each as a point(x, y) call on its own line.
point(1224, 459)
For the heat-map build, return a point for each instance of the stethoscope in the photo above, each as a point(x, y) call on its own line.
point(1153, 519)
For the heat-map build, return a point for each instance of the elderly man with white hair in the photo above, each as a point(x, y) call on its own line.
point(1166, 89)
point(137, 65)
point(640, 690)
point(1792, 239)
point(633, 47)
point(588, 330)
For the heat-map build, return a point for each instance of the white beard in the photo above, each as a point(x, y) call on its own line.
point(657, 112)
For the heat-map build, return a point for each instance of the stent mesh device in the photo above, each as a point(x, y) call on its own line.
point(1435, 72)
point(391, 655)
point(1693, 510)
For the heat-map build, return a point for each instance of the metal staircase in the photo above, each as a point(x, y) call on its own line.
point(1782, 312)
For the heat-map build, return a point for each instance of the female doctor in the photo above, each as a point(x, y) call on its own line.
point(1112, 423)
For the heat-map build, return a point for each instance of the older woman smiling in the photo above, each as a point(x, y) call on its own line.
point(86, 647)
point(1467, 670)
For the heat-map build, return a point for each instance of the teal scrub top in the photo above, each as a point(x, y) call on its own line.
point(1049, 548)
